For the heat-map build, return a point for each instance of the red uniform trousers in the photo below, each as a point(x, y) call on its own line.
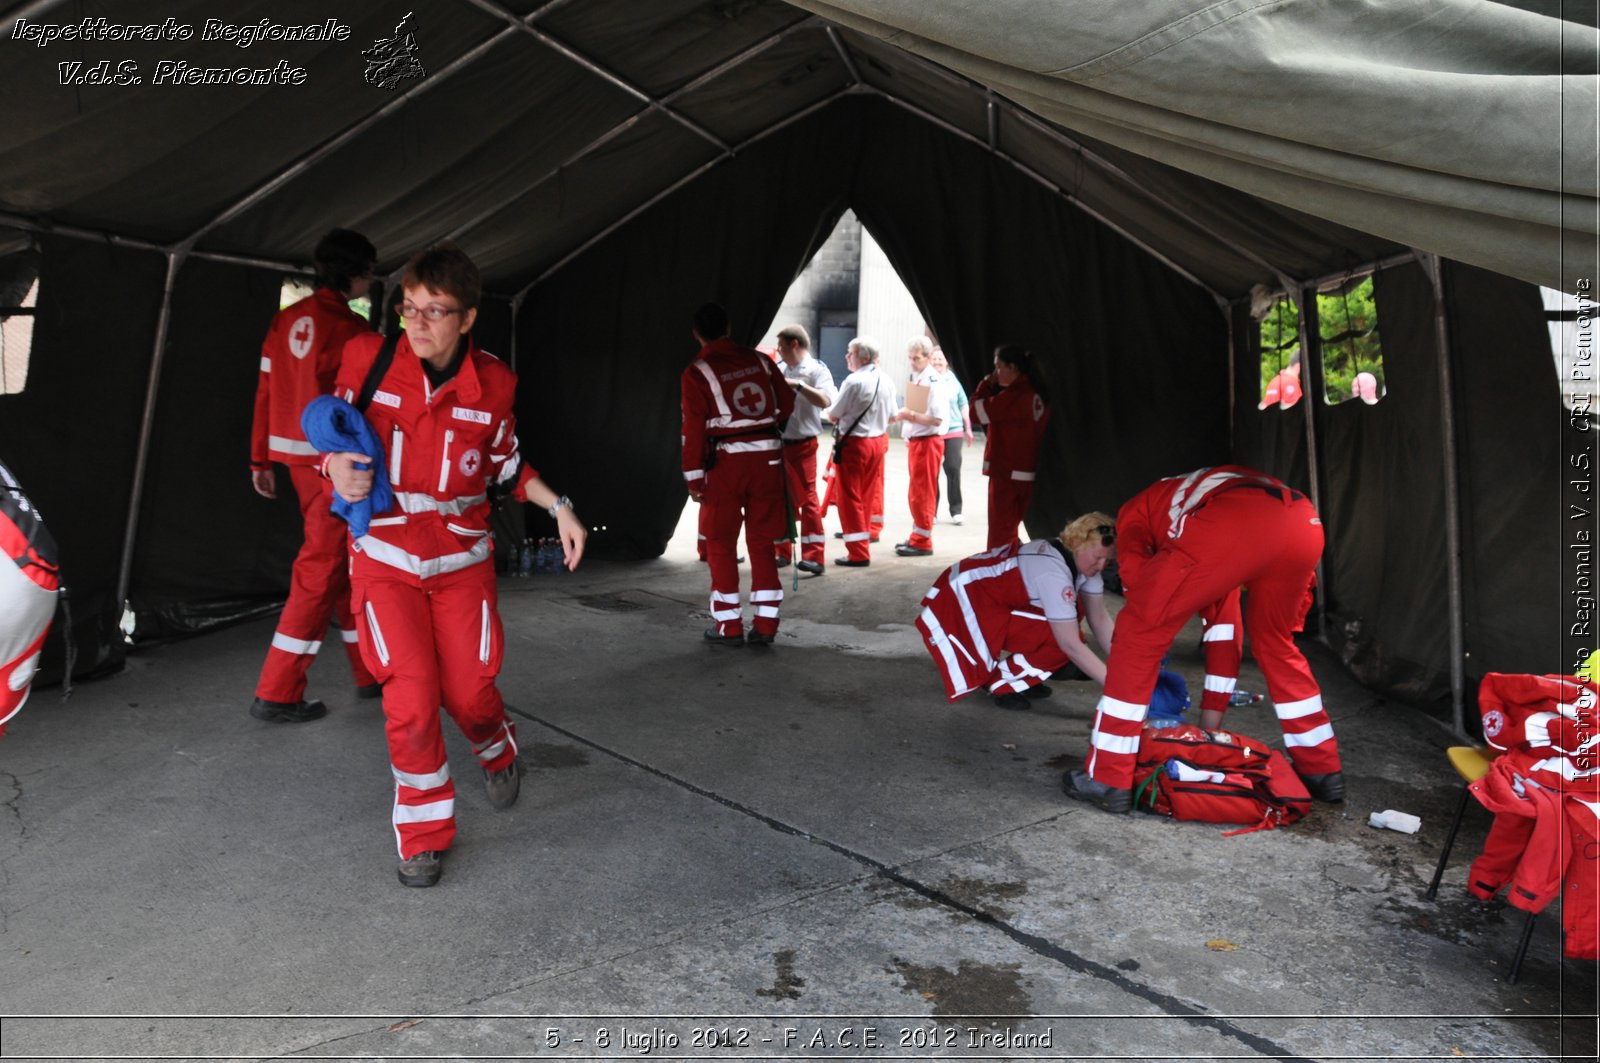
point(875, 503)
point(745, 487)
point(434, 642)
point(319, 591)
point(980, 631)
point(924, 457)
point(1008, 504)
point(860, 474)
point(800, 465)
point(1223, 646)
point(1270, 544)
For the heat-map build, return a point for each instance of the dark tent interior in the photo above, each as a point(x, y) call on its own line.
point(610, 164)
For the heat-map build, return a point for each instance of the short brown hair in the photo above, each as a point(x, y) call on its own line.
point(1091, 529)
point(797, 333)
point(444, 267)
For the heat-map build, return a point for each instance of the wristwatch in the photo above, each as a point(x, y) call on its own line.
point(559, 504)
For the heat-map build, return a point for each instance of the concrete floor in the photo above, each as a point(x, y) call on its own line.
point(788, 847)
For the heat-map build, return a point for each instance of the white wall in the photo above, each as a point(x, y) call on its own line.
point(887, 314)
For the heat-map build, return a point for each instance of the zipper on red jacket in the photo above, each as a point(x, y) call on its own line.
point(444, 466)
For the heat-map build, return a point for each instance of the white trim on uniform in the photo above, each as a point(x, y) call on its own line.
point(305, 647)
point(397, 557)
point(285, 445)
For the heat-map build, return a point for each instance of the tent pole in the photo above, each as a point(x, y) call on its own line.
point(516, 311)
point(1233, 375)
point(1311, 394)
point(175, 259)
point(1452, 497)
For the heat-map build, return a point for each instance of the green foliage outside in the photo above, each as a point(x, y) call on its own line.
point(1280, 340)
point(1348, 325)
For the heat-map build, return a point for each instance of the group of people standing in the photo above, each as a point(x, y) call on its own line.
point(424, 420)
point(751, 416)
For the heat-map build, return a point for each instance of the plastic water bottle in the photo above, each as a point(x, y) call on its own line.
point(1178, 770)
point(525, 558)
point(550, 557)
point(1161, 721)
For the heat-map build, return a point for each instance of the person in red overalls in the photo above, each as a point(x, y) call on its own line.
point(923, 433)
point(1007, 618)
point(735, 401)
point(861, 413)
point(812, 382)
point(1215, 529)
point(422, 578)
point(1011, 405)
point(299, 361)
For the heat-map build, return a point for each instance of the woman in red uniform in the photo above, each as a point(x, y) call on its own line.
point(1007, 618)
point(1011, 405)
point(422, 578)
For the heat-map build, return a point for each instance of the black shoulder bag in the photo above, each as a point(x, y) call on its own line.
point(839, 441)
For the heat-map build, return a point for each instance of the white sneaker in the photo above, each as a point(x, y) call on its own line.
point(956, 519)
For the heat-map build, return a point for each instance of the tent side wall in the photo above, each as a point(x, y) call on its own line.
point(1383, 476)
point(209, 549)
point(71, 435)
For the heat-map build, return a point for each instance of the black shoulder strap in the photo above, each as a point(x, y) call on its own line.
point(867, 408)
point(1066, 555)
point(380, 369)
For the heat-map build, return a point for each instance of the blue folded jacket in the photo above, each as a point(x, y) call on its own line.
point(332, 424)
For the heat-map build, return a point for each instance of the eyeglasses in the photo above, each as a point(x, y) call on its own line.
point(432, 313)
point(1107, 533)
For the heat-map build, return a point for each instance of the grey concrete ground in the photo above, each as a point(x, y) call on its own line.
point(799, 852)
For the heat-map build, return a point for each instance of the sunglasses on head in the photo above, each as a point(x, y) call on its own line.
point(1107, 533)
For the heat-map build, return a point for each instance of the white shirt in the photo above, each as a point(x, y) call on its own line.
point(806, 421)
point(856, 395)
point(1050, 583)
point(938, 402)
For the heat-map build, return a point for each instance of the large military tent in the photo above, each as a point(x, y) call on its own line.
point(1107, 183)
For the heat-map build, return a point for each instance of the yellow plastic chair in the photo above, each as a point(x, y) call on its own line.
point(1472, 763)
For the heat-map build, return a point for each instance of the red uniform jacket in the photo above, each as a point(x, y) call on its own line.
point(734, 399)
point(443, 448)
point(1016, 416)
point(299, 360)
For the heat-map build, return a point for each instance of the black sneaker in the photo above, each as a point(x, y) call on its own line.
point(370, 691)
point(1080, 787)
point(760, 638)
point(1036, 692)
point(907, 550)
point(717, 638)
point(850, 562)
point(1068, 673)
point(422, 870)
point(1012, 701)
point(288, 711)
point(1328, 788)
point(503, 786)
point(811, 568)
point(783, 562)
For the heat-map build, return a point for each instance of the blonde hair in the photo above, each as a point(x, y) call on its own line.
point(1086, 531)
